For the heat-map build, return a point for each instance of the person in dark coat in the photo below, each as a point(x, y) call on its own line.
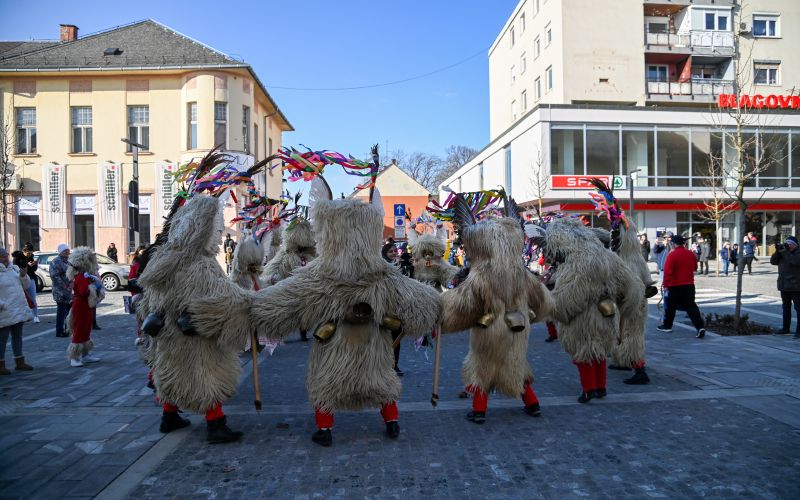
point(644, 243)
point(26, 260)
point(787, 258)
point(111, 251)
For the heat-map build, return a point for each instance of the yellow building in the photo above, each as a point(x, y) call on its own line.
point(67, 104)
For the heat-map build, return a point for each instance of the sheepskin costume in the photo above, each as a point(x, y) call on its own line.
point(428, 254)
point(496, 302)
point(593, 290)
point(195, 367)
point(348, 287)
point(85, 297)
point(247, 264)
point(297, 250)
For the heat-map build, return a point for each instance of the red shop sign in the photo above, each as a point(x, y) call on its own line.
point(759, 101)
point(576, 181)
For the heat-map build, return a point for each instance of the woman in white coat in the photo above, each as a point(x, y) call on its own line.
point(14, 311)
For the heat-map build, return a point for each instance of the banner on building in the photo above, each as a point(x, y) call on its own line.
point(54, 209)
point(109, 188)
point(165, 191)
point(582, 181)
point(29, 205)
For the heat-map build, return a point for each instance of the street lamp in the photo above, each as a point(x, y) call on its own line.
point(133, 192)
point(632, 176)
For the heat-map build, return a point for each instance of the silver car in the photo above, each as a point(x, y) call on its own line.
point(113, 275)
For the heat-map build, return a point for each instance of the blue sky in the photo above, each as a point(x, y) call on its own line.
point(329, 44)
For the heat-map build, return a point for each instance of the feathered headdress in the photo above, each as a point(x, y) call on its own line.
point(606, 203)
point(305, 166)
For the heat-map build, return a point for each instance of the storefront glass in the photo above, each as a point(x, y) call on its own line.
point(637, 155)
point(602, 152)
point(796, 160)
point(673, 158)
point(706, 153)
point(774, 160)
point(566, 152)
point(28, 230)
point(778, 226)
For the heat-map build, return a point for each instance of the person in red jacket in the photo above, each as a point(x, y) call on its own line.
point(679, 286)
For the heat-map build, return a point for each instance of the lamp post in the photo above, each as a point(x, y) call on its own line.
point(133, 192)
point(632, 176)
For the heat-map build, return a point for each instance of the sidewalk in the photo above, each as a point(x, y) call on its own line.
point(721, 418)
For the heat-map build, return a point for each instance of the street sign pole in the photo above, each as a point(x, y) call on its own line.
point(133, 193)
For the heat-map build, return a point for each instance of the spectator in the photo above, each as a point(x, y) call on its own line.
point(725, 256)
point(26, 260)
point(62, 287)
point(705, 250)
point(229, 259)
point(14, 310)
point(388, 251)
point(679, 287)
point(644, 244)
point(754, 241)
point(229, 243)
point(748, 254)
point(787, 258)
point(111, 251)
point(735, 256)
point(661, 249)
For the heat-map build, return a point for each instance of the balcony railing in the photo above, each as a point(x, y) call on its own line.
point(704, 39)
point(694, 87)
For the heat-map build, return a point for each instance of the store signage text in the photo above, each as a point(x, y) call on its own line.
point(582, 181)
point(759, 101)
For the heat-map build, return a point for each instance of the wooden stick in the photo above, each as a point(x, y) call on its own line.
point(436, 363)
point(397, 340)
point(256, 388)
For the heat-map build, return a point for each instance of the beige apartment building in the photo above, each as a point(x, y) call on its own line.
point(631, 89)
point(69, 103)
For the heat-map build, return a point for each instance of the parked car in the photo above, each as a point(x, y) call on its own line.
point(113, 275)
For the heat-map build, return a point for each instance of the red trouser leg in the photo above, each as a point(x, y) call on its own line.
point(215, 413)
point(528, 396)
point(600, 374)
point(323, 418)
point(389, 412)
point(552, 332)
point(170, 408)
point(638, 365)
point(480, 400)
point(586, 372)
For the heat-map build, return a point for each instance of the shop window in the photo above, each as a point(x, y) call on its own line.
point(796, 162)
point(637, 155)
point(706, 158)
point(774, 161)
point(749, 158)
point(777, 227)
point(673, 158)
point(602, 152)
point(144, 233)
point(28, 230)
point(566, 151)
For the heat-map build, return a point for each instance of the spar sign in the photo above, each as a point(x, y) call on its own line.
point(582, 181)
point(759, 101)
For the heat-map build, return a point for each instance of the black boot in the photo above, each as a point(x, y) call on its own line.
point(478, 417)
point(533, 410)
point(304, 335)
point(398, 371)
point(219, 432)
point(599, 393)
point(585, 397)
point(323, 437)
point(639, 378)
point(171, 421)
point(621, 368)
point(392, 429)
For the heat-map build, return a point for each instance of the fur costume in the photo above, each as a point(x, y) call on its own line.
point(350, 286)
point(593, 290)
point(199, 369)
point(428, 256)
point(498, 294)
point(297, 250)
point(86, 294)
point(247, 267)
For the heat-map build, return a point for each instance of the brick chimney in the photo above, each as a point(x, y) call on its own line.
point(69, 32)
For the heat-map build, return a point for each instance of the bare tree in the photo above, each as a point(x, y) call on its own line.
point(424, 168)
point(539, 181)
point(7, 173)
point(717, 206)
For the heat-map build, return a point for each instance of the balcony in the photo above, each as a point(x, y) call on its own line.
point(696, 90)
point(703, 42)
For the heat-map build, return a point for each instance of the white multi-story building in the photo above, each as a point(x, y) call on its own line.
point(582, 88)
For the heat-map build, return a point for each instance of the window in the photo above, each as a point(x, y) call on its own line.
point(703, 72)
point(522, 23)
point(672, 157)
point(507, 151)
point(538, 89)
point(548, 35)
point(524, 99)
point(535, 7)
point(537, 47)
point(766, 25)
point(765, 74)
point(221, 124)
point(513, 36)
point(637, 155)
point(657, 73)
point(139, 126)
point(602, 152)
point(657, 27)
point(81, 129)
point(523, 63)
point(722, 23)
point(513, 74)
point(710, 17)
point(246, 129)
point(548, 74)
point(566, 151)
point(191, 116)
point(773, 150)
point(255, 141)
point(716, 20)
point(513, 110)
point(26, 130)
point(269, 151)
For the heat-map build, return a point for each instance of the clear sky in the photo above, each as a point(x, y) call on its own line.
point(328, 44)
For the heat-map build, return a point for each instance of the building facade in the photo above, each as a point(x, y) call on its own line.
point(642, 90)
point(69, 103)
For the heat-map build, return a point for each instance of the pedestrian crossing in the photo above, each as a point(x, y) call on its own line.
point(765, 306)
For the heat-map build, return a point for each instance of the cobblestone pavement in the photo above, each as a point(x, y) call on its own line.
point(720, 419)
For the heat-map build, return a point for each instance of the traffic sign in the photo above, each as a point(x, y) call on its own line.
point(399, 222)
point(400, 232)
point(399, 210)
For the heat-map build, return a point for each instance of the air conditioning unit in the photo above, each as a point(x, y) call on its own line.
point(744, 28)
point(14, 183)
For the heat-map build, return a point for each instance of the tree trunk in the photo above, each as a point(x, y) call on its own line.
point(719, 242)
point(739, 269)
point(3, 213)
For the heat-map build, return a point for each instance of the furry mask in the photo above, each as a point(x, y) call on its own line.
point(299, 238)
point(82, 260)
point(198, 225)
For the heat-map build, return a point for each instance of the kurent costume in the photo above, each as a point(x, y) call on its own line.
point(593, 290)
point(629, 350)
point(497, 302)
point(356, 298)
point(428, 252)
point(87, 292)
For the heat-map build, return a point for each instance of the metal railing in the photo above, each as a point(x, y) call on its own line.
point(698, 87)
point(691, 39)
